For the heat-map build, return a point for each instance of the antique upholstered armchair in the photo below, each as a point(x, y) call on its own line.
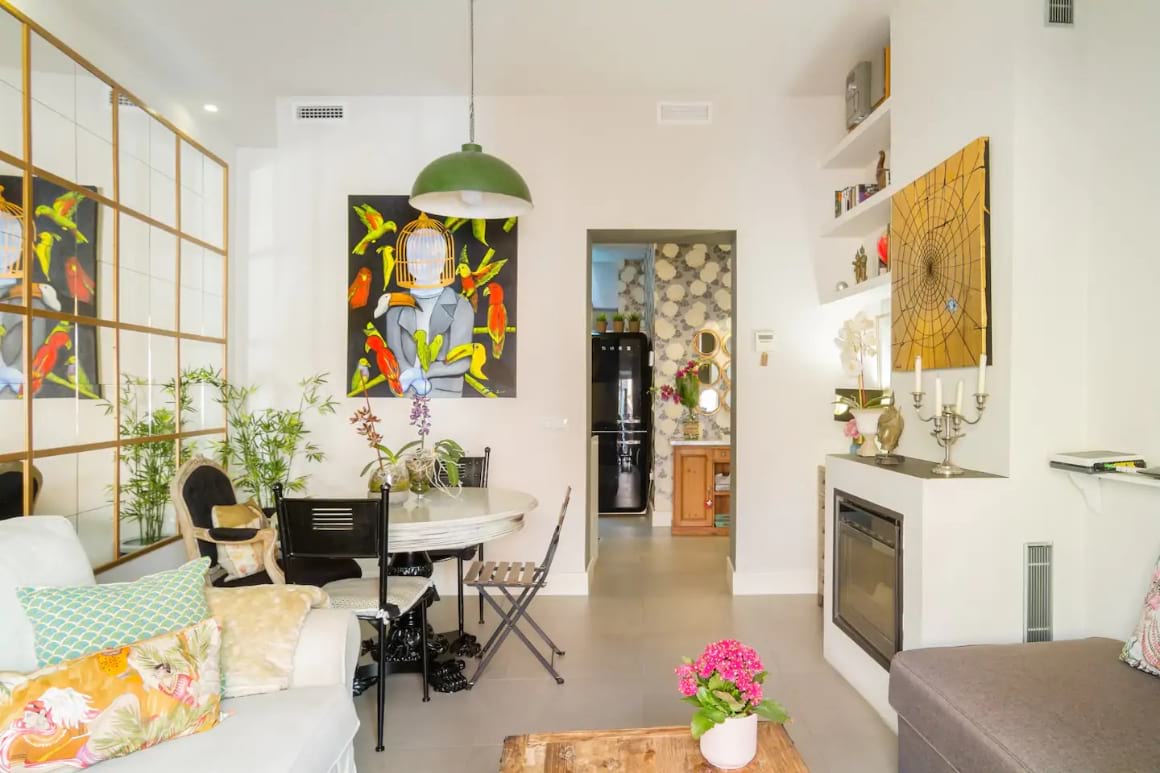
point(202, 484)
point(12, 488)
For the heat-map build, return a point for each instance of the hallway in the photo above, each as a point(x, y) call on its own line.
point(654, 598)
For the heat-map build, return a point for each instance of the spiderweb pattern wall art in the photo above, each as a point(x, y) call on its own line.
point(940, 236)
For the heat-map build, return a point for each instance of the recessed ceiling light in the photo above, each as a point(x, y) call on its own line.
point(210, 108)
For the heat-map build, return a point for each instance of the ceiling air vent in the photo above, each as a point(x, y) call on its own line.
point(318, 113)
point(684, 113)
point(1060, 13)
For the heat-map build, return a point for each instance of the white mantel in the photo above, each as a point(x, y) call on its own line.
point(957, 588)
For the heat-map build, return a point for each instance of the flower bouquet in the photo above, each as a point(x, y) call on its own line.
point(726, 685)
point(857, 340)
point(685, 391)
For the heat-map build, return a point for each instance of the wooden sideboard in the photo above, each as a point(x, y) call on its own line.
point(696, 500)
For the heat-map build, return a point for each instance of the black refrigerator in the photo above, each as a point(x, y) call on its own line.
point(622, 420)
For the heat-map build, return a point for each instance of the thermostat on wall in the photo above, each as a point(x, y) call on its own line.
point(763, 340)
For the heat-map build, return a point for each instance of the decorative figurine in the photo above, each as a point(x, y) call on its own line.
point(884, 253)
point(890, 425)
point(860, 265)
point(881, 172)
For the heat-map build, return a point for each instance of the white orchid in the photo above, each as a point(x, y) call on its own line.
point(857, 339)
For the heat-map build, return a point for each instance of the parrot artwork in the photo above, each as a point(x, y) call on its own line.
point(384, 357)
point(376, 227)
point(47, 355)
point(362, 375)
point(43, 250)
point(471, 281)
point(360, 289)
point(76, 377)
point(80, 284)
point(61, 212)
point(496, 318)
point(388, 254)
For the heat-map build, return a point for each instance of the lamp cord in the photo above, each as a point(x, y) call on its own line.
point(471, 50)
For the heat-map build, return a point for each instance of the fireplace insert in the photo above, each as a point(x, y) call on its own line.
point(867, 593)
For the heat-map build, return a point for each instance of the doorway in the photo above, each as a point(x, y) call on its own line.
point(660, 304)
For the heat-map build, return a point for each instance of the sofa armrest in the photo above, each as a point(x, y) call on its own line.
point(328, 649)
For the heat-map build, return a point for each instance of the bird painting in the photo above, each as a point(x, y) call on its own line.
point(360, 289)
point(77, 379)
point(61, 212)
point(45, 360)
point(384, 357)
point(360, 380)
point(376, 227)
point(80, 284)
point(43, 250)
point(470, 281)
point(496, 318)
point(388, 253)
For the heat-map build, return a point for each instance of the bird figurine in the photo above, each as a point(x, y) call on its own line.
point(471, 281)
point(360, 289)
point(890, 426)
point(362, 375)
point(45, 359)
point(375, 224)
point(62, 213)
point(496, 318)
point(80, 284)
point(384, 357)
point(43, 250)
point(388, 253)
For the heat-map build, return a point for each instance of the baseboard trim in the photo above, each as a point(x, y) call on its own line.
point(662, 518)
point(774, 583)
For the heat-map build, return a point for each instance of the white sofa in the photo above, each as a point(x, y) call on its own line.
point(308, 728)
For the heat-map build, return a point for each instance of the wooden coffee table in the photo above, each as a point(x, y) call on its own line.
point(642, 750)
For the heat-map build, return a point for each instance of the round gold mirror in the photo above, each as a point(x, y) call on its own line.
point(727, 372)
point(710, 401)
point(727, 401)
point(708, 372)
point(727, 345)
point(706, 342)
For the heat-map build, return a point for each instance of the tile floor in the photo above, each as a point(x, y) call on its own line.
point(653, 599)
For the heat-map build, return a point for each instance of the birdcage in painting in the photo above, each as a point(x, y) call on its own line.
point(11, 246)
point(425, 255)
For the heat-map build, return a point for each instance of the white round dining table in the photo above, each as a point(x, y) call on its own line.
point(457, 518)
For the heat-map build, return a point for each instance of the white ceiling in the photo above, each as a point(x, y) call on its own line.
point(243, 54)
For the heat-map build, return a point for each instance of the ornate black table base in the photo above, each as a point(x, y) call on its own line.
point(404, 640)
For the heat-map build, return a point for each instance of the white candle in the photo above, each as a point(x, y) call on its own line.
point(938, 395)
point(981, 388)
point(959, 398)
point(918, 373)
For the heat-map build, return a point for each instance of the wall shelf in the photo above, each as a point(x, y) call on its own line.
point(870, 215)
point(860, 146)
point(876, 288)
point(1091, 485)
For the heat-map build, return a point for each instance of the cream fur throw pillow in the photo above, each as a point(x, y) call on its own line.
point(260, 628)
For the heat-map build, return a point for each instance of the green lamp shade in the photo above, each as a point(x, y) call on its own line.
point(471, 184)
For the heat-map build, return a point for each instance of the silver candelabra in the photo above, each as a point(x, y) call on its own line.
point(948, 428)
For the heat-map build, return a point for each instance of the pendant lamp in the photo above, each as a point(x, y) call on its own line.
point(471, 183)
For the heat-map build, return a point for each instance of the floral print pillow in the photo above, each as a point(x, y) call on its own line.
point(111, 703)
point(1142, 649)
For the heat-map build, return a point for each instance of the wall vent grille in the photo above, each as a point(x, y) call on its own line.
point(684, 113)
point(320, 113)
point(1060, 13)
point(122, 100)
point(1037, 592)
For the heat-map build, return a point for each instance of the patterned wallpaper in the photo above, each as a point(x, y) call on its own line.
point(693, 291)
point(632, 290)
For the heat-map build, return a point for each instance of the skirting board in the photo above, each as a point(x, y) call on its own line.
point(774, 583)
point(662, 518)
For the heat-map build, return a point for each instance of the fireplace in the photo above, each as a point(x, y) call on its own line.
point(867, 592)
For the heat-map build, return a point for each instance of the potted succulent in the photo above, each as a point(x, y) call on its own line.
point(685, 391)
point(726, 684)
point(618, 323)
point(601, 323)
point(856, 341)
point(634, 323)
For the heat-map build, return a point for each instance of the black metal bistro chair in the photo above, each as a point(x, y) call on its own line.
point(527, 579)
point(472, 474)
point(355, 528)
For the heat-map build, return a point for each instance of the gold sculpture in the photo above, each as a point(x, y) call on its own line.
point(860, 265)
point(890, 425)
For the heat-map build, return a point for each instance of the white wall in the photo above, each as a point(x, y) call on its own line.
point(591, 163)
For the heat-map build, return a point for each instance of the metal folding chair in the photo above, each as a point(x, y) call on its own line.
point(508, 578)
point(355, 528)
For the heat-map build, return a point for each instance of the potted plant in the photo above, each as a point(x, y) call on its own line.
point(388, 465)
point(422, 463)
point(618, 323)
point(601, 323)
point(685, 391)
point(856, 341)
point(634, 323)
point(726, 684)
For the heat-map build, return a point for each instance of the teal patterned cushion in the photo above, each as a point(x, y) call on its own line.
point(73, 622)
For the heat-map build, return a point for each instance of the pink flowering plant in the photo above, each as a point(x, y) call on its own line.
point(726, 681)
point(685, 389)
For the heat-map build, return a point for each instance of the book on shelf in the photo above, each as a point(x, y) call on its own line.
point(851, 196)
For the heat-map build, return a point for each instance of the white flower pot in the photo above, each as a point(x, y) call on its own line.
point(732, 744)
point(866, 419)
